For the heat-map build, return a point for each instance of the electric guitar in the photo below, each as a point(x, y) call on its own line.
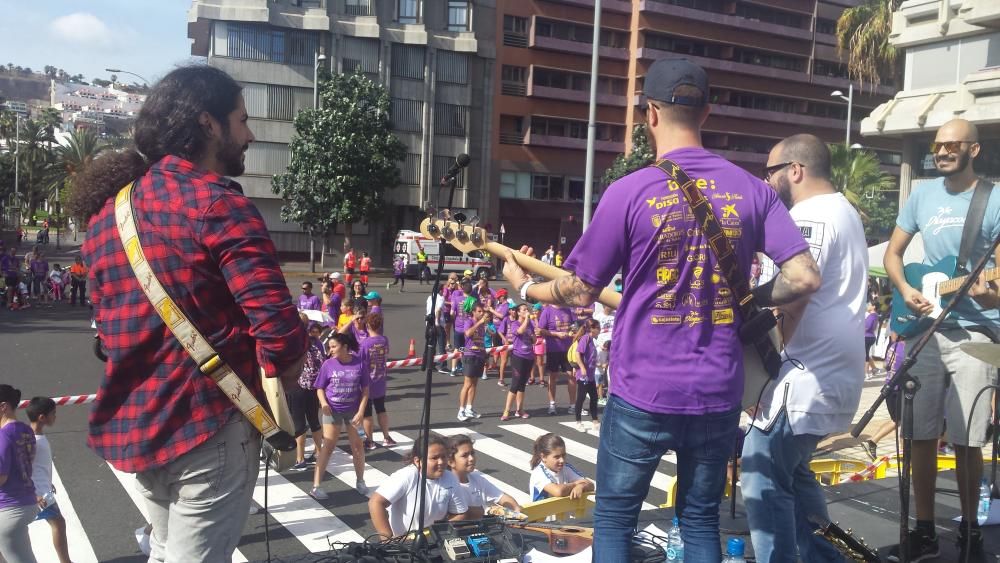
point(274, 393)
point(466, 238)
point(563, 540)
point(935, 283)
point(845, 542)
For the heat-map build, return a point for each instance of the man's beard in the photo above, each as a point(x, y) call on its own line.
point(963, 163)
point(230, 156)
point(784, 190)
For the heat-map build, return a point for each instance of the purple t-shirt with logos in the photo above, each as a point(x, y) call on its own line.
point(310, 302)
point(523, 343)
point(676, 346)
point(343, 383)
point(460, 317)
point(475, 343)
point(17, 451)
point(556, 319)
point(374, 351)
point(586, 351)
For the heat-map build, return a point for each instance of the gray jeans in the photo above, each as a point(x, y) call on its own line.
point(15, 545)
point(199, 503)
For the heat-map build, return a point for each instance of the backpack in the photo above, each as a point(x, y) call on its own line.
point(572, 356)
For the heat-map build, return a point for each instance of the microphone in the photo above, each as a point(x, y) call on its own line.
point(461, 162)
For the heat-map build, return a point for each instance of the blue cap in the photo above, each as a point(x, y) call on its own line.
point(735, 547)
point(372, 295)
point(676, 521)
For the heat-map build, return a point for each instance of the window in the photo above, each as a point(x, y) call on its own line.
point(515, 31)
point(271, 101)
point(452, 67)
point(510, 73)
point(576, 190)
point(458, 15)
point(769, 15)
point(825, 68)
point(450, 119)
point(408, 61)
point(267, 159)
point(547, 187)
point(358, 7)
point(826, 26)
point(515, 185)
point(406, 115)
point(408, 11)
point(360, 54)
point(410, 171)
point(260, 43)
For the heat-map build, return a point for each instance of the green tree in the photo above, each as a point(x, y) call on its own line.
point(859, 175)
point(36, 166)
point(863, 35)
point(343, 158)
point(71, 160)
point(641, 155)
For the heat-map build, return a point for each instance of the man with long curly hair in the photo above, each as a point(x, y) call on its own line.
point(156, 415)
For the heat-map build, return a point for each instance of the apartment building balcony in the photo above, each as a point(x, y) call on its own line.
point(510, 88)
point(724, 19)
point(309, 16)
point(577, 47)
point(729, 66)
point(621, 6)
point(582, 96)
point(777, 116)
point(356, 20)
point(460, 41)
point(741, 156)
point(574, 143)
point(984, 13)
point(511, 138)
point(842, 83)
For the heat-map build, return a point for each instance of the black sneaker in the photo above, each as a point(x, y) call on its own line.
point(922, 547)
point(974, 552)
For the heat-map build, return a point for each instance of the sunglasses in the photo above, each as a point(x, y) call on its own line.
point(306, 288)
point(774, 168)
point(950, 147)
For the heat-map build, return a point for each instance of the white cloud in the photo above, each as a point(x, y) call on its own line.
point(82, 29)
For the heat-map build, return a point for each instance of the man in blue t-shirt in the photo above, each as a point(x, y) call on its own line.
point(949, 378)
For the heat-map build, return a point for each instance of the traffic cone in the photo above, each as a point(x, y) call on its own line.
point(413, 352)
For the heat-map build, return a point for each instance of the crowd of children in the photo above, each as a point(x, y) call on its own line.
point(31, 280)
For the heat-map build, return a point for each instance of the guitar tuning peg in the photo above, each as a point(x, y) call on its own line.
point(430, 210)
point(477, 237)
point(473, 221)
point(447, 232)
point(462, 235)
point(433, 230)
point(460, 217)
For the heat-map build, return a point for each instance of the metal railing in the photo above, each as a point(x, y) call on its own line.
point(511, 138)
point(513, 88)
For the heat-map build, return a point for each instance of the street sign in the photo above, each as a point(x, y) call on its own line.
point(503, 230)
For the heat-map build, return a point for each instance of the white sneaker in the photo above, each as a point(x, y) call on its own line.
point(580, 427)
point(462, 417)
point(484, 376)
point(361, 487)
point(571, 410)
point(552, 409)
point(584, 412)
point(471, 413)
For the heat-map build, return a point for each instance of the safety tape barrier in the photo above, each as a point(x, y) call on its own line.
point(394, 364)
point(866, 473)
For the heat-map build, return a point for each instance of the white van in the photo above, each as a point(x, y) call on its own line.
point(454, 261)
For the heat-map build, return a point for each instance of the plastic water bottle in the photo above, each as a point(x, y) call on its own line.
point(984, 502)
point(675, 544)
point(734, 551)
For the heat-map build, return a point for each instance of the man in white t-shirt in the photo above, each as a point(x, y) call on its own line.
point(819, 392)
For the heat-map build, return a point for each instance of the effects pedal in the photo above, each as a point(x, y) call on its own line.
point(481, 545)
point(456, 549)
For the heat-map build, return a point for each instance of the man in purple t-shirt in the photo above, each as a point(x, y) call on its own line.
point(553, 324)
point(677, 357)
point(309, 301)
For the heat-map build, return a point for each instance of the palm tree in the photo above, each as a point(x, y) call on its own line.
point(863, 34)
point(36, 165)
point(858, 174)
point(72, 159)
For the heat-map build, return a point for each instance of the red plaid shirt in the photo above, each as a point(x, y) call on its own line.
point(211, 251)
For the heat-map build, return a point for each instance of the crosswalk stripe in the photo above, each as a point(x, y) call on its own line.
point(669, 457)
point(660, 480)
point(127, 481)
point(301, 515)
point(40, 531)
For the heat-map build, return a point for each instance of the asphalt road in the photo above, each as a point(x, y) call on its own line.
point(47, 351)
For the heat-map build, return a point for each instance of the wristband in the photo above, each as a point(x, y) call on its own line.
point(524, 289)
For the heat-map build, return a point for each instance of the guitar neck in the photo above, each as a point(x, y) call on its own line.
point(952, 285)
point(531, 264)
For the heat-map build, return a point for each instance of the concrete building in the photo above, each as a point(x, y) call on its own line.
point(434, 56)
point(951, 53)
point(772, 64)
point(105, 110)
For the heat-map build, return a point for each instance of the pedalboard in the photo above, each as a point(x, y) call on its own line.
point(475, 541)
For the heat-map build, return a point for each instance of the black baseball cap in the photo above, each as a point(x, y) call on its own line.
point(666, 75)
point(9, 395)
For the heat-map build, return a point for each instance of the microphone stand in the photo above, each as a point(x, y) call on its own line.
point(430, 339)
point(910, 385)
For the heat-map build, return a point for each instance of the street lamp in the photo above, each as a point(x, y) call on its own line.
point(17, 170)
point(849, 98)
point(120, 71)
point(320, 57)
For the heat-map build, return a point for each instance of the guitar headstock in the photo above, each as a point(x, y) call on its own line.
point(465, 237)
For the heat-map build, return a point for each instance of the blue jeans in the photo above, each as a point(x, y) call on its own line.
point(780, 492)
point(632, 443)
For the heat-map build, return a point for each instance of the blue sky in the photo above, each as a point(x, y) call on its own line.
point(147, 37)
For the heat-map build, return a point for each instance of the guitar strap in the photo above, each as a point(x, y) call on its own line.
point(973, 222)
point(208, 360)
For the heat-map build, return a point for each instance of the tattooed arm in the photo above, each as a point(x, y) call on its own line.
point(799, 277)
point(567, 290)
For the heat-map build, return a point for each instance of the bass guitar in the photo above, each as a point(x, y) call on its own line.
point(935, 283)
point(563, 540)
point(852, 548)
point(758, 357)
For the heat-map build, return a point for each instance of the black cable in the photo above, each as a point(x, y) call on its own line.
point(267, 520)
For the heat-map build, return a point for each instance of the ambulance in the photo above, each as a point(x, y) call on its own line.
point(477, 261)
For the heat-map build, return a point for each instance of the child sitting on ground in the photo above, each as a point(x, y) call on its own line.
point(480, 493)
point(551, 475)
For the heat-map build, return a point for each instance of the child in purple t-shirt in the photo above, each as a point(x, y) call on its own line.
point(342, 387)
point(374, 351)
point(473, 356)
point(522, 339)
point(18, 503)
point(586, 365)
